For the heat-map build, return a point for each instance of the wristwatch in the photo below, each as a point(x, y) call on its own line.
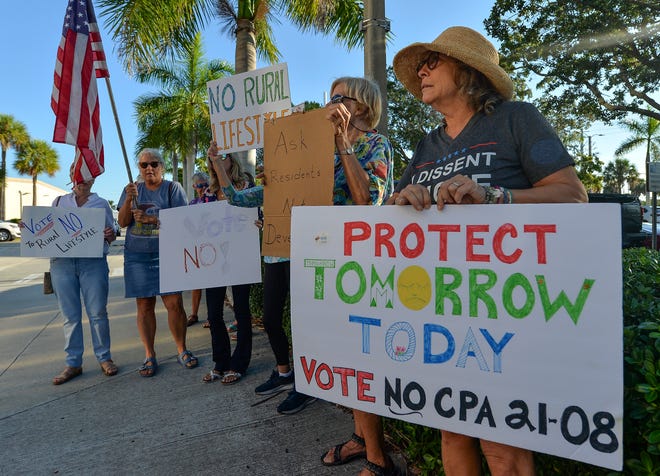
point(348, 151)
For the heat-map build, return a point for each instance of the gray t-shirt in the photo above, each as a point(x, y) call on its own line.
point(514, 147)
point(143, 237)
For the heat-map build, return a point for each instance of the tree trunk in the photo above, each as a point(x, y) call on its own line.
point(3, 178)
point(34, 190)
point(375, 28)
point(246, 60)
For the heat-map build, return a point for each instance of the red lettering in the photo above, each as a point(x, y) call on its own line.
point(384, 232)
point(443, 230)
point(540, 231)
point(471, 241)
point(350, 237)
point(506, 229)
point(416, 230)
point(308, 370)
point(364, 387)
point(331, 381)
point(344, 372)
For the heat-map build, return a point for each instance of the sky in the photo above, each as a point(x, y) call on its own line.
point(29, 45)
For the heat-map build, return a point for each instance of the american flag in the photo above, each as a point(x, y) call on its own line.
point(75, 100)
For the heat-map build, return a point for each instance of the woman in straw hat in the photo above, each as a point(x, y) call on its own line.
point(488, 150)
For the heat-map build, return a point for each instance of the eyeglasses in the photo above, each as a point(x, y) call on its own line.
point(337, 98)
point(431, 61)
point(201, 185)
point(154, 165)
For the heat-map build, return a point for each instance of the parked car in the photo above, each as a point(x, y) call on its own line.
point(646, 229)
point(647, 215)
point(9, 231)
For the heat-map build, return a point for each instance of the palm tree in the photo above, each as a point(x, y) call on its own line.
point(619, 172)
point(13, 134)
point(148, 30)
point(34, 158)
point(645, 132)
point(176, 118)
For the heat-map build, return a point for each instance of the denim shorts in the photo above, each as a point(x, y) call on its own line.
point(142, 275)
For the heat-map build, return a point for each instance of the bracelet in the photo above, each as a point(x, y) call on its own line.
point(348, 151)
point(497, 194)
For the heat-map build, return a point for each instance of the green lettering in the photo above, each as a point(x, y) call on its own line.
point(510, 284)
point(479, 292)
point(380, 288)
point(362, 288)
point(573, 310)
point(446, 291)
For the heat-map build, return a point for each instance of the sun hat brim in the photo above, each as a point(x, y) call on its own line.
point(461, 43)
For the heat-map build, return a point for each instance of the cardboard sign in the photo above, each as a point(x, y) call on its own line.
point(299, 170)
point(498, 322)
point(208, 245)
point(240, 104)
point(58, 232)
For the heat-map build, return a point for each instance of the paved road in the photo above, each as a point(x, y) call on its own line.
point(170, 424)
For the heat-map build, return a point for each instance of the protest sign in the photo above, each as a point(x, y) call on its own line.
point(498, 322)
point(58, 232)
point(299, 170)
point(240, 104)
point(208, 245)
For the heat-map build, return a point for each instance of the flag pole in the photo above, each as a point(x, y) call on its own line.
point(121, 137)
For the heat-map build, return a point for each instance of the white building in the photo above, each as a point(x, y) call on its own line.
point(18, 193)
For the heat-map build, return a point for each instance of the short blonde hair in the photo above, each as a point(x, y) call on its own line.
point(366, 92)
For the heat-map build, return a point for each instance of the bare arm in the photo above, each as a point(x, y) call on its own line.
point(563, 186)
point(357, 178)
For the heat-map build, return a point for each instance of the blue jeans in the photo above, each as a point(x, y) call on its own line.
point(89, 276)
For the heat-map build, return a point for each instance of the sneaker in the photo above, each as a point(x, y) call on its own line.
point(274, 384)
point(294, 402)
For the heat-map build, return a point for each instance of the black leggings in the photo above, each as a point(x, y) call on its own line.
point(222, 356)
point(276, 289)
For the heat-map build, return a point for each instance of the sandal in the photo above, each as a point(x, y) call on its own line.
point(67, 374)
point(230, 377)
point(192, 319)
point(390, 470)
point(336, 452)
point(149, 367)
point(187, 359)
point(206, 324)
point(233, 327)
point(109, 368)
point(212, 376)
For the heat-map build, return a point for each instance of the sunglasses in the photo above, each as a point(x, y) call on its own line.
point(154, 165)
point(337, 98)
point(201, 185)
point(431, 61)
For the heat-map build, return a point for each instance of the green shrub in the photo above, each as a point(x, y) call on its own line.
point(641, 405)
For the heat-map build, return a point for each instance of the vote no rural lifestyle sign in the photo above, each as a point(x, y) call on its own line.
point(499, 322)
point(57, 232)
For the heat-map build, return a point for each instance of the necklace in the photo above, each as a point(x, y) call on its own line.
point(356, 127)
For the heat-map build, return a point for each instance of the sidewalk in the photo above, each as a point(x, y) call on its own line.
point(170, 424)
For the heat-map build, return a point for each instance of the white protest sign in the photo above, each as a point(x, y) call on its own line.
point(58, 232)
point(499, 322)
point(208, 245)
point(240, 104)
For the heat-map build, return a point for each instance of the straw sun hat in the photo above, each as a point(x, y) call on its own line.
point(461, 43)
